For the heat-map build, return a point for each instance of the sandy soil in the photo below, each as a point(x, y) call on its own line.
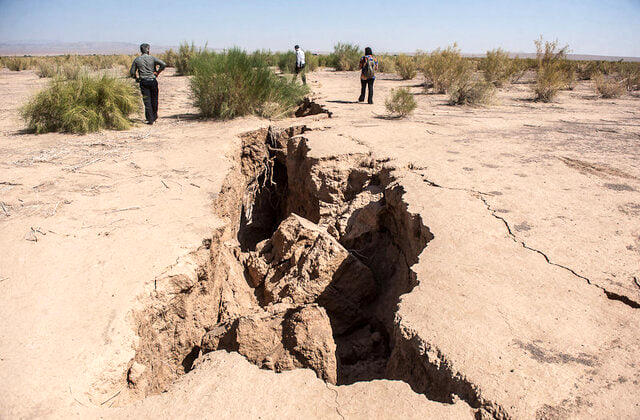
point(529, 292)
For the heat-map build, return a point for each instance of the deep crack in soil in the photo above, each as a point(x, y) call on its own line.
point(305, 272)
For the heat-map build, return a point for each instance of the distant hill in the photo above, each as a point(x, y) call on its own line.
point(56, 48)
point(569, 56)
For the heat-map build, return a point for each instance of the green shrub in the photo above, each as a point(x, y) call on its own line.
point(186, 53)
point(325, 60)
point(346, 57)
point(311, 60)
point(287, 62)
point(471, 92)
point(407, 67)
point(443, 68)
point(497, 67)
point(83, 105)
point(609, 87)
point(400, 102)
point(551, 74)
point(233, 84)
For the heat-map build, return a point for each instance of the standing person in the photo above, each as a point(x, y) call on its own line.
point(300, 64)
point(369, 66)
point(145, 66)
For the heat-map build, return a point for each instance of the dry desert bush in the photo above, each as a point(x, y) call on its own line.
point(407, 67)
point(630, 75)
point(17, 63)
point(444, 68)
point(345, 56)
point(497, 68)
point(387, 63)
point(234, 83)
point(400, 102)
point(82, 105)
point(609, 87)
point(471, 92)
point(551, 74)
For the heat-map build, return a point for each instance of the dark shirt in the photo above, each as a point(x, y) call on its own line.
point(146, 66)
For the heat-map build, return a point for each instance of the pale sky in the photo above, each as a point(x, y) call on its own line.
point(599, 27)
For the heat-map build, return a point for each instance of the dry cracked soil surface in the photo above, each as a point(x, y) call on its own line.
point(459, 263)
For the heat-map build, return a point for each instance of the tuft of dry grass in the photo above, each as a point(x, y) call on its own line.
point(551, 74)
point(400, 102)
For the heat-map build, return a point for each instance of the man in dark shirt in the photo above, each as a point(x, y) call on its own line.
point(148, 68)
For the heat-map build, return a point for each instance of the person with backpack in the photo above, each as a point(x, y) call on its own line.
point(300, 64)
point(369, 66)
point(148, 68)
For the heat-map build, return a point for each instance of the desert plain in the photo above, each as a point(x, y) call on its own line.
point(503, 244)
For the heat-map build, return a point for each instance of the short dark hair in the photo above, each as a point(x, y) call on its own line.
point(144, 48)
point(296, 47)
point(367, 51)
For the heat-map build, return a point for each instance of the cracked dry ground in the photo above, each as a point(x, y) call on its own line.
point(462, 263)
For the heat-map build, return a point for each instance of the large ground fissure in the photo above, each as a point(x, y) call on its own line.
point(305, 272)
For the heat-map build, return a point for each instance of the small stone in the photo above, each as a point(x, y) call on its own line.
point(135, 372)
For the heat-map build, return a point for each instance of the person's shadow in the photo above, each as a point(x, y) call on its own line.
point(343, 102)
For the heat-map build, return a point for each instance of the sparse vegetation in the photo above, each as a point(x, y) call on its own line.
point(630, 75)
point(444, 68)
point(47, 69)
point(232, 84)
point(471, 92)
point(311, 60)
point(386, 64)
point(497, 67)
point(186, 53)
point(551, 74)
point(519, 67)
point(18, 63)
point(83, 105)
point(169, 57)
point(346, 57)
point(400, 102)
point(287, 62)
point(608, 87)
point(407, 67)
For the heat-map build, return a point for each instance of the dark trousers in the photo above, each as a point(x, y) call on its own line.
point(365, 83)
point(149, 89)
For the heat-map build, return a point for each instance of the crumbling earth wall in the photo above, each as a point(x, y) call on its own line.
point(305, 271)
